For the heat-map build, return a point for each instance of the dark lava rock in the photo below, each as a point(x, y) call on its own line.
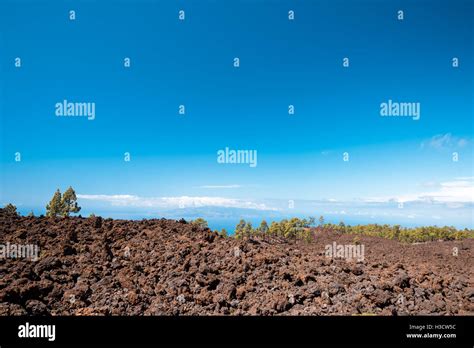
point(166, 267)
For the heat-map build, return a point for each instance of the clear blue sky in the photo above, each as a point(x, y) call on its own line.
point(282, 62)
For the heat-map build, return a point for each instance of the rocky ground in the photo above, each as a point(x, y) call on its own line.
point(90, 266)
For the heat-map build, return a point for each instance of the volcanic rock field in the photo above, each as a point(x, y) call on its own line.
point(95, 266)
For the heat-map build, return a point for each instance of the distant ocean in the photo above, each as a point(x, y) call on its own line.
point(229, 223)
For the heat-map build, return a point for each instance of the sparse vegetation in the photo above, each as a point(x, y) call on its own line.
point(263, 228)
point(321, 220)
point(10, 209)
point(200, 222)
point(294, 228)
point(248, 230)
point(239, 229)
point(63, 205)
point(408, 235)
point(69, 202)
point(54, 207)
point(304, 229)
point(223, 233)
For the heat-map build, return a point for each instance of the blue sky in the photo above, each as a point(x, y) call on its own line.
point(173, 162)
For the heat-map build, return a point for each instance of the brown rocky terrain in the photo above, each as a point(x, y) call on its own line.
point(91, 266)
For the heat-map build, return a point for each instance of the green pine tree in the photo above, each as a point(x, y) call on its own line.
point(10, 209)
point(239, 229)
point(275, 229)
point(263, 228)
point(200, 222)
point(321, 220)
point(55, 205)
point(69, 202)
point(248, 229)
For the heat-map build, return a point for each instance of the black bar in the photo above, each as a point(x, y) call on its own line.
point(241, 330)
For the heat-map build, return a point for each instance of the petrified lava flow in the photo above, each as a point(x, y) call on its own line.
point(165, 267)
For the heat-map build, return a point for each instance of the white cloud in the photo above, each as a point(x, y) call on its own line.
point(454, 193)
point(175, 202)
point(445, 141)
point(465, 178)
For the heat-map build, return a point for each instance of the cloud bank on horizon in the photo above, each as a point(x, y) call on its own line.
point(174, 202)
point(458, 192)
point(456, 196)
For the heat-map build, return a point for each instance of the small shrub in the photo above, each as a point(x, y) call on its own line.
point(10, 209)
point(223, 233)
point(200, 222)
